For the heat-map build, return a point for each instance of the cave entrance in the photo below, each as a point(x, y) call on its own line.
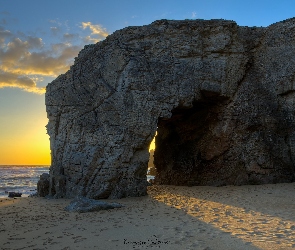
point(188, 146)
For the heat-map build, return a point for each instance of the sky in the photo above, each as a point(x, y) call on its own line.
point(40, 39)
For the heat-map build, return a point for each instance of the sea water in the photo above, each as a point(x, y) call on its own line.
point(22, 179)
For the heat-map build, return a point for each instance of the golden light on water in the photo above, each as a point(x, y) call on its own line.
point(265, 231)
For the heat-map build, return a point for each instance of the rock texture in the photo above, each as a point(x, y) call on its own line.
point(43, 185)
point(14, 194)
point(84, 205)
point(221, 98)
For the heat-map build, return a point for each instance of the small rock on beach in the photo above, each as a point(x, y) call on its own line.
point(83, 205)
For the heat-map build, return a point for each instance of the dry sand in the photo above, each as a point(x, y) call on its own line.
point(170, 217)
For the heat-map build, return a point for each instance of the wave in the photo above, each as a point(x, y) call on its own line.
point(24, 166)
point(20, 178)
point(16, 177)
point(20, 168)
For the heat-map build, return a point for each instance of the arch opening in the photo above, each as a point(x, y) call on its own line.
point(151, 170)
point(189, 149)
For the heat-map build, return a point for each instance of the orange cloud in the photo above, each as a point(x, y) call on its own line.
point(17, 58)
point(14, 80)
point(97, 32)
point(24, 61)
point(18, 64)
point(44, 63)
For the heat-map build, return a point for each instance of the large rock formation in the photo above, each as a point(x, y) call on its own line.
point(221, 98)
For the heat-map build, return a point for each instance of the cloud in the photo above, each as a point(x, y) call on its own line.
point(194, 14)
point(21, 60)
point(59, 47)
point(34, 42)
point(18, 58)
point(95, 29)
point(55, 30)
point(13, 80)
point(70, 37)
point(91, 40)
point(4, 34)
point(45, 64)
point(10, 79)
point(98, 33)
point(17, 50)
point(13, 50)
point(26, 60)
point(55, 21)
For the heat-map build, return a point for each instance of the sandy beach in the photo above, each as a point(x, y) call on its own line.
point(170, 217)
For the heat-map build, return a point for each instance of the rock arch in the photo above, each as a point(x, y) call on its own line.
point(221, 95)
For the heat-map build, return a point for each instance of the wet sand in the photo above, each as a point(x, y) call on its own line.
point(170, 217)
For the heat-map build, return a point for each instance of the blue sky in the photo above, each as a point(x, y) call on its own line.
point(39, 40)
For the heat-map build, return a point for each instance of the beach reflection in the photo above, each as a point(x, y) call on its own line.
point(264, 231)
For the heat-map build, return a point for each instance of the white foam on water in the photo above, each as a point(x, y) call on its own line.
point(21, 179)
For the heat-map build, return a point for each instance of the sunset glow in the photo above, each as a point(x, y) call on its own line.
point(37, 46)
point(25, 146)
point(153, 144)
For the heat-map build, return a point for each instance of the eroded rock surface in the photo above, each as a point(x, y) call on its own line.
point(84, 205)
point(43, 185)
point(221, 96)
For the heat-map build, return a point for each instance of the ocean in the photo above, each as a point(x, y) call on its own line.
point(23, 179)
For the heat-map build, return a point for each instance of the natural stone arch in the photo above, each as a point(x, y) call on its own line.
point(104, 112)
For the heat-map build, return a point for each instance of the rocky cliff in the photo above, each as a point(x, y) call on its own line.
point(221, 98)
